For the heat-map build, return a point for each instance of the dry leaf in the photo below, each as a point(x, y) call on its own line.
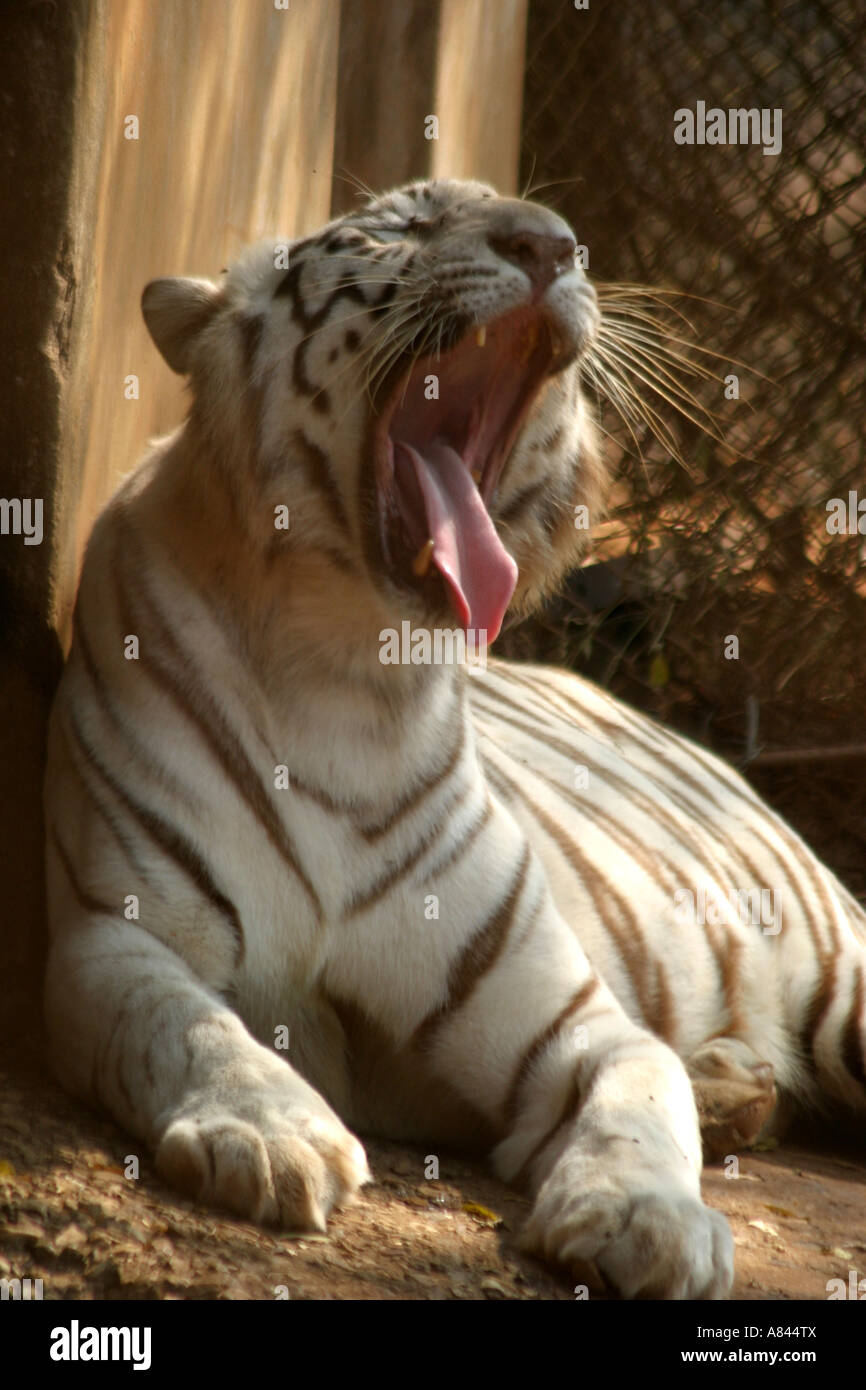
point(765, 1227)
point(494, 1286)
point(482, 1214)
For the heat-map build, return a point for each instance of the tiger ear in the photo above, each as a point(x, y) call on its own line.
point(175, 311)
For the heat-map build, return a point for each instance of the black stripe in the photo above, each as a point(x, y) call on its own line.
point(465, 842)
point(251, 331)
point(648, 735)
point(638, 734)
point(540, 1045)
point(853, 1042)
point(317, 471)
point(613, 779)
point(310, 321)
point(613, 910)
point(201, 709)
point(663, 1016)
point(412, 800)
point(726, 948)
point(568, 1113)
point(701, 831)
point(822, 999)
point(132, 749)
point(514, 510)
point(476, 959)
point(395, 875)
point(86, 900)
point(170, 841)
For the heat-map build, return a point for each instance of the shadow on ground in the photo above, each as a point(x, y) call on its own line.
point(69, 1216)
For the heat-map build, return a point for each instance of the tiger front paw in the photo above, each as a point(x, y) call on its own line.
point(264, 1159)
point(641, 1241)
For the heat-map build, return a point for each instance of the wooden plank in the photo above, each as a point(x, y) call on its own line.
point(235, 101)
point(41, 76)
point(386, 88)
point(479, 90)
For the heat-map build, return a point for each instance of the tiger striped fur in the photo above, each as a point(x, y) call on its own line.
point(461, 891)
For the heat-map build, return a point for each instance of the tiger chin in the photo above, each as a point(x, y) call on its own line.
point(298, 892)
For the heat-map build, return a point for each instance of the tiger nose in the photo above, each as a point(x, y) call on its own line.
point(538, 255)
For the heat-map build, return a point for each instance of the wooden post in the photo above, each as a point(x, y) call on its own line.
point(387, 85)
point(217, 129)
point(403, 61)
point(479, 90)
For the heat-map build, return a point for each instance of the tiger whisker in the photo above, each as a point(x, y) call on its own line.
point(397, 338)
point(531, 189)
point(626, 289)
point(641, 410)
point(684, 403)
point(361, 364)
point(634, 405)
point(657, 369)
point(670, 367)
point(664, 337)
point(608, 387)
point(355, 182)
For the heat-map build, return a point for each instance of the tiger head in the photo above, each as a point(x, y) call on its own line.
point(406, 383)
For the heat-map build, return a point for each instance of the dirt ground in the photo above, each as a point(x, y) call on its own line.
point(69, 1216)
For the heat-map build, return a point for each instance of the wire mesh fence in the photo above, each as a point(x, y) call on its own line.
point(750, 536)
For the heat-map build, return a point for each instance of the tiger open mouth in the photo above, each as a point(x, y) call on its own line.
point(442, 442)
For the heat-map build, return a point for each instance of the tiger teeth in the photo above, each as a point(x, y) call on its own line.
point(481, 337)
point(529, 342)
point(421, 563)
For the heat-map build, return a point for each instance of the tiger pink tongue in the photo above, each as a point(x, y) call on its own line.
point(467, 551)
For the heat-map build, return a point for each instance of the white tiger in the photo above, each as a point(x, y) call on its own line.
point(254, 823)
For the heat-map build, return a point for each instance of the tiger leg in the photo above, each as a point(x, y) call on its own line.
point(597, 1114)
point(617, 1184)
point(230, 1123)
point(734, 1092)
